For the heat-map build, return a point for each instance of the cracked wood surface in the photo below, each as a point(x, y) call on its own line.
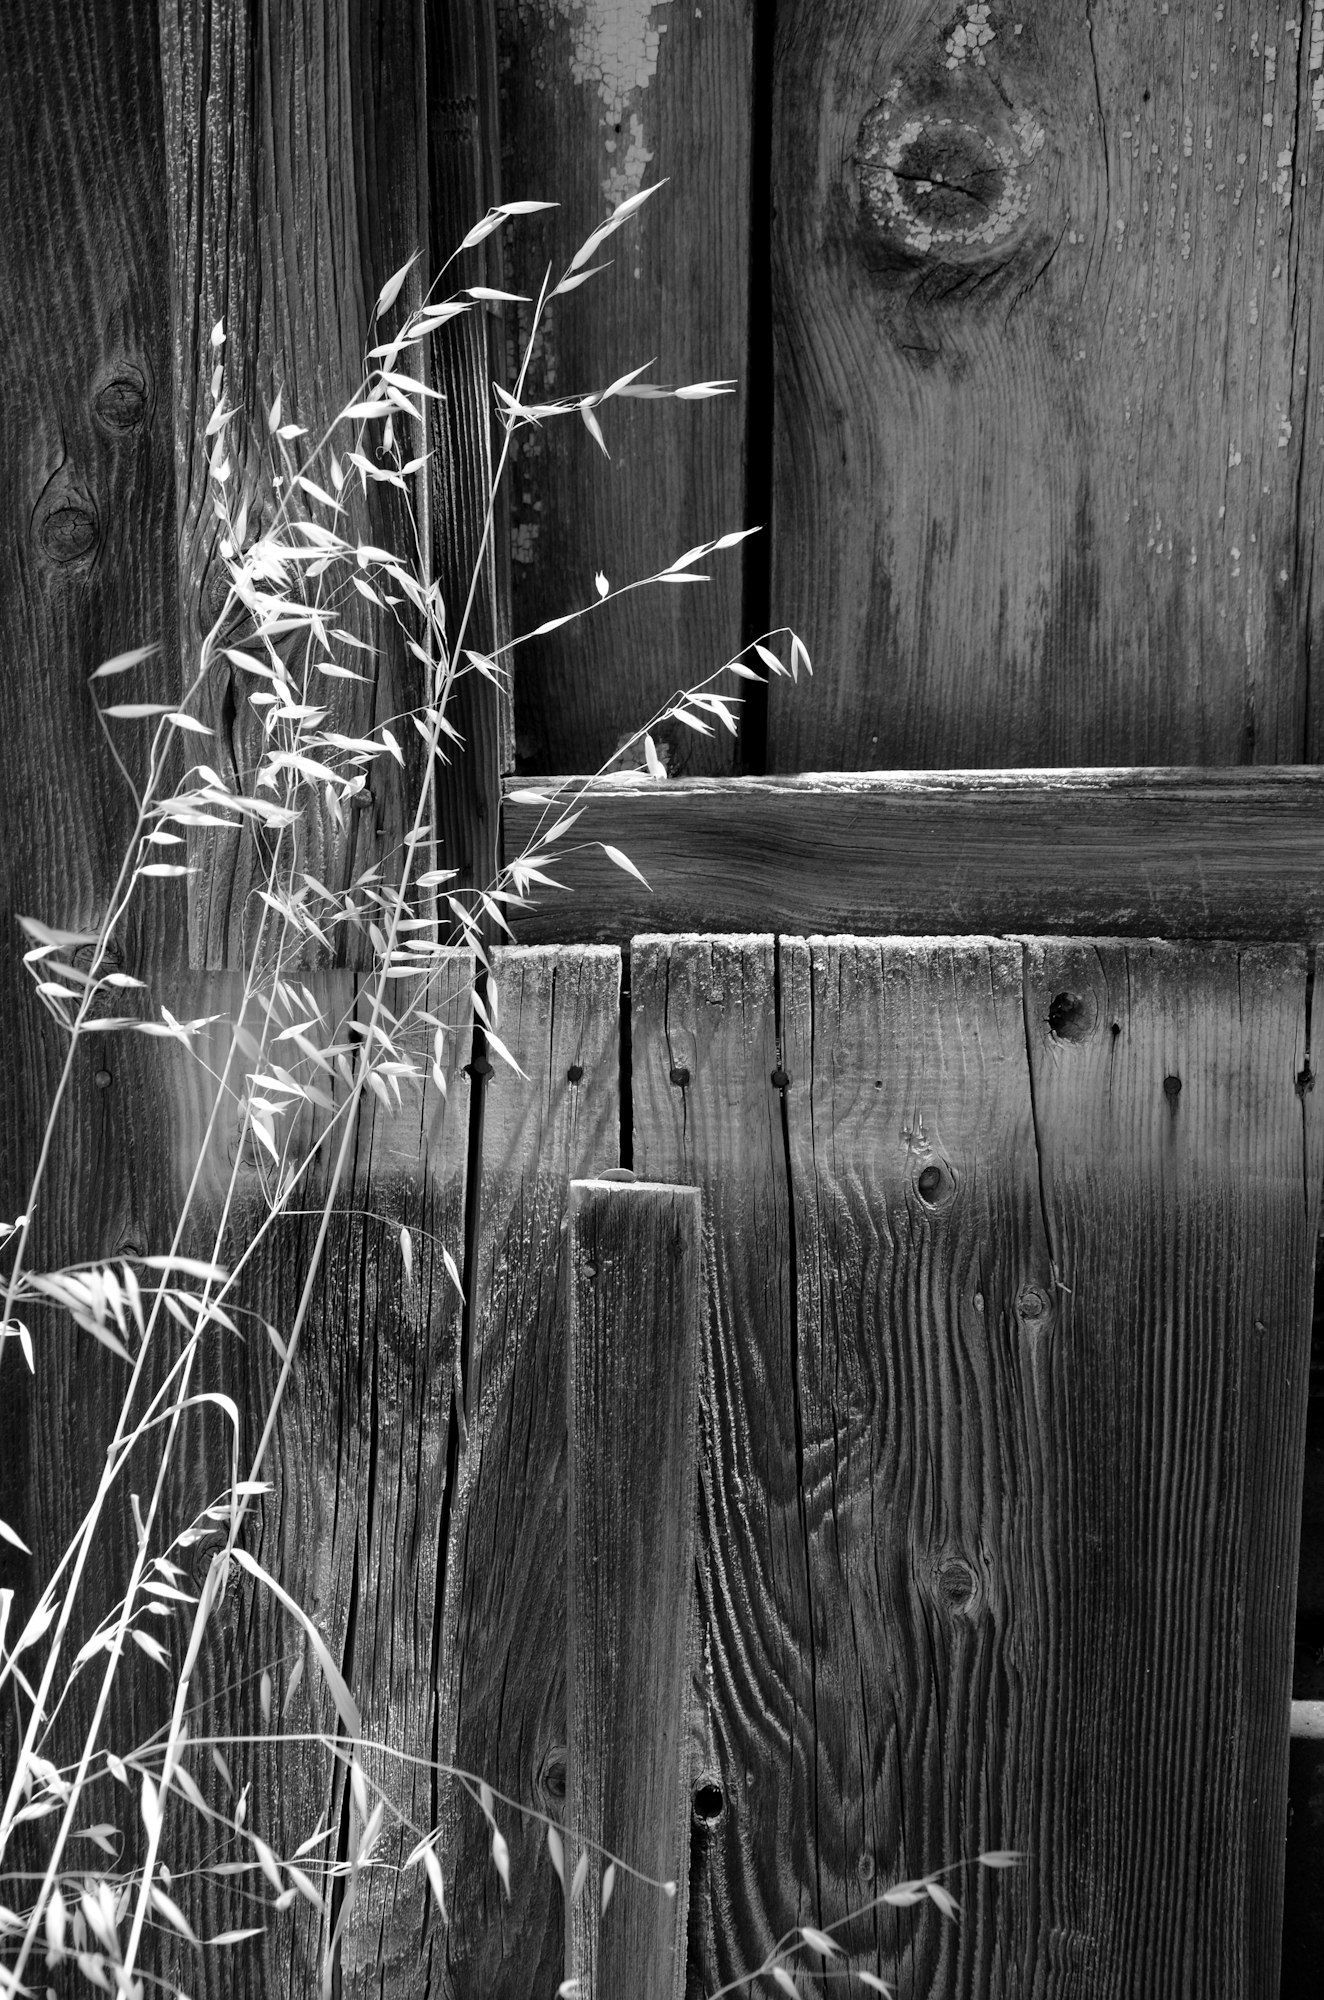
point(596, 103)
point(1047, 382)
point(634, 1305)
point(500, 1655)
point(1010, 1278)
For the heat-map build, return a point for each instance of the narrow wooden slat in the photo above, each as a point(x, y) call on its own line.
point(634, 1302)
point(597, 103)
point(1047, 391)
point(463, 170)
point(295, 174)
point(500, 1654)
point(1180, 854)
point(704, 1048)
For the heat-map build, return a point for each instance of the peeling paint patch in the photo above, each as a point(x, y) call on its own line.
point(970, 38)
point(616, 45)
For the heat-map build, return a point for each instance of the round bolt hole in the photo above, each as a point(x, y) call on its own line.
point(781, 1078)
point(680, 1076)
point(479, 1070)
point(929, 1183)
point(1172, 1089)
point(707, 1802)
point(1071, 1015)
point(575, 1073)
point(103, 1079)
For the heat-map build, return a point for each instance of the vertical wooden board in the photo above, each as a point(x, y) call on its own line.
point(500, 1659)
point(633, 1288)
point(296, 184)
point(706, 1112)
point(1047, 382)
point(86, 571)
point(1180, 1169)
point(358, 1466)
point(922, 1394)
point(599, 101)
point(463, 163)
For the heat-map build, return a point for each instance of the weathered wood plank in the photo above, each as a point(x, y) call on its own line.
point(1046, 382)
point(87, 569)
point(463, 174)
point(500, 1654)
point(1180, 1164)
point(1150, 853)
point(296, 183)
point(706, 1112)
point(597, 102)
point(634, 1306)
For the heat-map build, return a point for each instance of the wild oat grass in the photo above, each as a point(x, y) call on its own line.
point(290, 576)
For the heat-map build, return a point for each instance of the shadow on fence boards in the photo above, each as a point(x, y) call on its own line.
point(872, 1433)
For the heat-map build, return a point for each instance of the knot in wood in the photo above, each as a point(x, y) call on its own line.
point(943, 187)
point(120, 404)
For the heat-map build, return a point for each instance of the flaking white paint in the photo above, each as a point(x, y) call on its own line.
point(616, 45)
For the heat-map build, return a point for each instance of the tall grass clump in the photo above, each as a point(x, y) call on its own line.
point(284, 1096)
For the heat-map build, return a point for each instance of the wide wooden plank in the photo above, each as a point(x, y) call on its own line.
point(296, 184)
point(633, 1282)
point(1179, 1149)
point(87, 570)
point(1046, 382)
point(500, 1653)
point(597, 102)
point(707, 1112)
point(921, 1263)
point(1180, 854)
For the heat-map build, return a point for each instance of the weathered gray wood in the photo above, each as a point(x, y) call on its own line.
point(1180, 1160)
point(704, 1048)
point(1046, 383)
point(296, 184)
point(500, 1654)
point(634, 1295)
point(997, 1530)
point(87, 569)
point(598, 102)
point(463, 169)
point(1151, 853)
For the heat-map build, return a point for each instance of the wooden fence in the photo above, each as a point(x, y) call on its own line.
point(1007, 1239)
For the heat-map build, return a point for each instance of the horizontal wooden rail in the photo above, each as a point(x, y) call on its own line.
point(1178, 853)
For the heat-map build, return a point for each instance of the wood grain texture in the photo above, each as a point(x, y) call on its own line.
point(1046, 382)
point(86, 570)
point(704, 1048)
point(1181, 1166)
point(358, 1466)
point(597, 102)
point(296, 184)
point(1143, 853)
point(468, 355)
point(633, 1278)
point(1027, 1550)
point(500, 1654)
